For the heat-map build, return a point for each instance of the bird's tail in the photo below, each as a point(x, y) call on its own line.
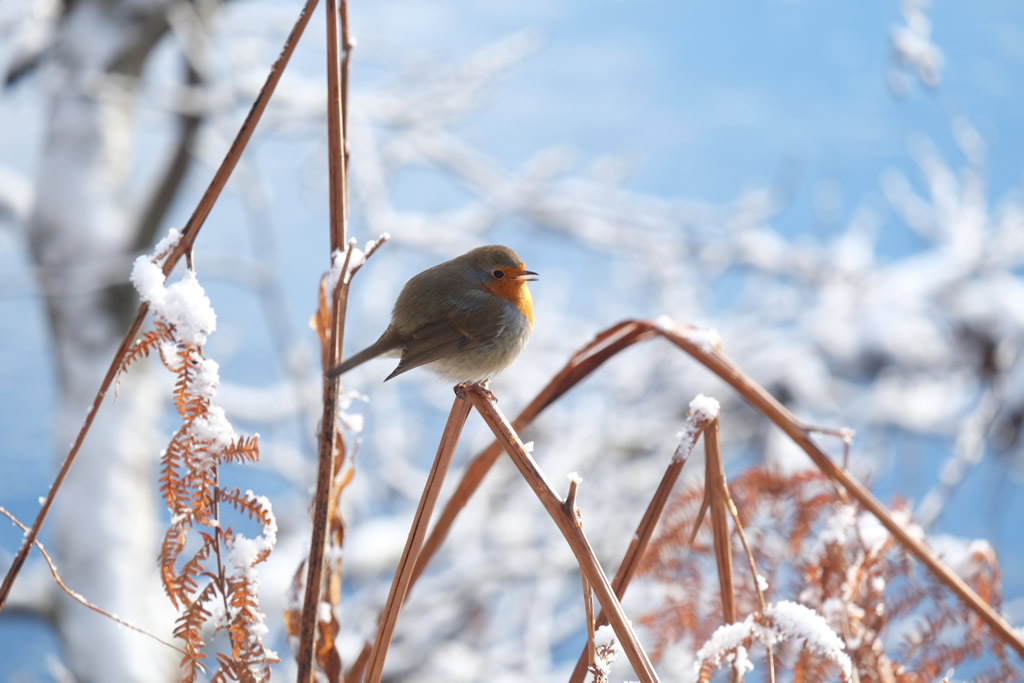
point(383, 345)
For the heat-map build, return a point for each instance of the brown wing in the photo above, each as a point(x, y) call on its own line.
point(441, 339)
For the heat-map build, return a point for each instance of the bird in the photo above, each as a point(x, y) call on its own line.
point(466, 319)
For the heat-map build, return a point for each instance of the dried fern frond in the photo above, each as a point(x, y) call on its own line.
point(897, 623)
point(212, 581)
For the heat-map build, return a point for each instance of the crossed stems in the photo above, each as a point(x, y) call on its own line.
point(698, 344)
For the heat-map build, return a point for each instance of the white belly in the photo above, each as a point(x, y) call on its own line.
point(486, 361)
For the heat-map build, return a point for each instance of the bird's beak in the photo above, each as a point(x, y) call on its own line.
point(526, 276)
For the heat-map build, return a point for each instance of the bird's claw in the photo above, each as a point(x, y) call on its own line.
point(480, 387)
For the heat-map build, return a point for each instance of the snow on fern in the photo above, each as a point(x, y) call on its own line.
point(183, 304)
point(190, 484)
point(781, 621)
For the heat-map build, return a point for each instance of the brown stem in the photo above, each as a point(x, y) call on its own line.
point(644, 532)
point(582, 363)
point(623, 335)
point(715, 360)
point(329, 441)
point(752, 564)
point(347, 45)
point(336, 132)
point(568, 524)
point(188, 236)
point(418, 530)
point(588, 605)
point(714, 486)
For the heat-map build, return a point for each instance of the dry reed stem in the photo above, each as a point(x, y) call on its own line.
point(347, 45)
point(81, 599)
point(355, 672)
point(620, 337)
point(715, 360)
point(605, 345)
point(580, 365)
point(714, 486)
point(417, 532)
point(588, 605)
point(338, 181)
point(644, 532)
point(330, 444)
point(752, 564)
point(188, 236)
point(568, 524)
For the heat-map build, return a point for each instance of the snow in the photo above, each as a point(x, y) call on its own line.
point(787, 621)
point(357, 258)
point(183, 304)
point(168, 242)
point(702, 410)
point(725, 638)
point(604, 636)
point(707, 339)
point(214, 429)
point(606, 651)
point(742, 664)
point(807, 627)
point(206, 379)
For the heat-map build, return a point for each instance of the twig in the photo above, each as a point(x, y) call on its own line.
point(567, 524)
point(184, 245)
point(582, 363)
point(714, 486)
point(645, 529)
point(418, 530)
point(329, 441)
point(588, 604)
point(570, 500)
point(336, 131)
point(762, 606)
point(80, 598)
point(347, 45)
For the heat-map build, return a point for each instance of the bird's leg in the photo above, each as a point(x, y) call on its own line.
point(481, 387)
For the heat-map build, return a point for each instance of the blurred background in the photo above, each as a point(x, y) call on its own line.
point(834, 187)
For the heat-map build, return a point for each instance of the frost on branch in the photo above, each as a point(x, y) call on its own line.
point(215, 583)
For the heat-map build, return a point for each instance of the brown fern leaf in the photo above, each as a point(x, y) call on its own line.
point(862, 579)
point(172, 485)
point(250, 660)
point(245, 449)
point(189, 628)
point(146, 343)
point(226, 672)
point(172, 546)
point(202, 485)
point(247, 504)
point(186, 374)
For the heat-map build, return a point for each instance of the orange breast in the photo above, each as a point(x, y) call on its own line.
point(515, 291)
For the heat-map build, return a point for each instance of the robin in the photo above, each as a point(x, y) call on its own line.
point(467, 318)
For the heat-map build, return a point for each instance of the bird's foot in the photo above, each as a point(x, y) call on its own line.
point(479, 387)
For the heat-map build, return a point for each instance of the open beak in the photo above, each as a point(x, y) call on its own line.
point(526, 276)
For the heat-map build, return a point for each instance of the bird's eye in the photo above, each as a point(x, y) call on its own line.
point(498, 274)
